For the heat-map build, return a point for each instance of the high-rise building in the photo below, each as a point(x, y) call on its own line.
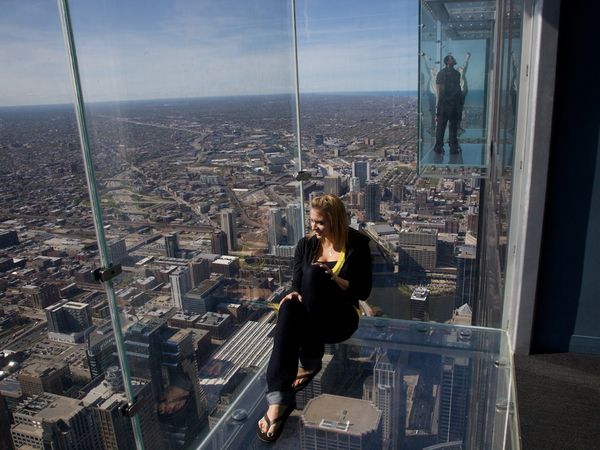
point(106, 400)
point(466, 276)
point(43, 295)
point(117, 250)
point(6, 442)
point(171, 245)
point(397, 193)
point(454, 392)
point(68, 317)
point(8, 238)
point(295, 227)
point(181, 284)
point(275, 226)
point(354, 184)
point(389, 396)
point(340, 423)
point(419, 304)
point(199, 269)
point(56, 422)
point(101, 350)
point(218, 243)
point(41, 376)
point(69, 321)
point(417, 250)
point(228, 226)
point(332, 185)
point(166, 357)
point(372, 201)
point(204, 297)
point(362, 171)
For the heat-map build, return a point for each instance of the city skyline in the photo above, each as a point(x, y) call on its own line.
point(132, 52)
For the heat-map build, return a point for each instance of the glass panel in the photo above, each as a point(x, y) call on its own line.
point(394, 384)
point(191, 119)
point(456, 38)
point(497, 191)
point(359, 129)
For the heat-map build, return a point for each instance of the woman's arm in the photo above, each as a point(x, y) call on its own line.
point(298, 262)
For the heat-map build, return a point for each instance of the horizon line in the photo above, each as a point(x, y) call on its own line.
point(157, 99)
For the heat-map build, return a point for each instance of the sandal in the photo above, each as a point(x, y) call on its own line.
point(280, 421)
point(305, 379)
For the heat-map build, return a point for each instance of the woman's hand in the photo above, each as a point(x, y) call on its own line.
point(343, 284)
point(291, 296)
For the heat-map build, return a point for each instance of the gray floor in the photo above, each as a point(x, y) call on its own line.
point(559, 401)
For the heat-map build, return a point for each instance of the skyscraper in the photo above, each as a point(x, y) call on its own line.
point(372, 201)
point(218, 243)
point(53, 421)
point(181, 284)
point(417, 250)
point(101, 350)
point(166, 357)
point(200, 269)
point(419, 304)
point(389, 396)
point(69, 318)
point(466, 276)
point(454, 392)
point(295, 227)
point(335, 422)
point(105, 402)
point(228, 226)
point(397, 192)
point(361, 170)
point(274, 236)
point(332, 185)
point(5, 437)
point(354, 184)
point(117, 250)
point(171, 245)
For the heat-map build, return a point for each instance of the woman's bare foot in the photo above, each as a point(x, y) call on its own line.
point(273, 413)
point(302, 373)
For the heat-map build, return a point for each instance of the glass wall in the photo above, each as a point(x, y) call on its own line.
point(456, 40)
point(190, 118)
point(497, 190)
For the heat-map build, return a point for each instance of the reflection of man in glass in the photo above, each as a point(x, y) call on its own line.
point(449, 106)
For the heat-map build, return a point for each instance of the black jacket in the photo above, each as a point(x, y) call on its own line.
point(356, 268)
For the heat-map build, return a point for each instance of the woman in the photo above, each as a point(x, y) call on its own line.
point(332, 271)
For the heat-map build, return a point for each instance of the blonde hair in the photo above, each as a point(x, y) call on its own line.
point(334, 211)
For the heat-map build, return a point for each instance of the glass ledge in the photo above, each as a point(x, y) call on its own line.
point(394, 385)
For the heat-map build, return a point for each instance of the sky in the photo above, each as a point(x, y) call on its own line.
point(145, 49)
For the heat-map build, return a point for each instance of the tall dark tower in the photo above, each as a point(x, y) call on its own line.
point(166, 356)
point(218, 243)
point(372, 201)
point(228, 226)
point(362, 171)
point(171, 245)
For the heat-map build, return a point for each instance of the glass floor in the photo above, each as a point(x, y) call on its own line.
point(394, 385)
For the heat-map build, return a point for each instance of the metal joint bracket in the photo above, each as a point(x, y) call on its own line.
point(104, 274)
point(303, 175)
point(131, 409)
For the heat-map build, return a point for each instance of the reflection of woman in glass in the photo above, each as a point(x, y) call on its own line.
point(177, 412)
point(431, 92)
point(332, 271)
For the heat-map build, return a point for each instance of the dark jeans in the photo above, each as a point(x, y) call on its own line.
point(302, 330)
point(453, 118)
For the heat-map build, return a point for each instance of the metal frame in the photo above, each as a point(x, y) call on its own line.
point(538, 70)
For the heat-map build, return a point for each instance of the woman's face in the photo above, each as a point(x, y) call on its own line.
point(319, 224)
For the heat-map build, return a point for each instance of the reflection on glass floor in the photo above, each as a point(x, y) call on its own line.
point(469, 162)
point(394, 385)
